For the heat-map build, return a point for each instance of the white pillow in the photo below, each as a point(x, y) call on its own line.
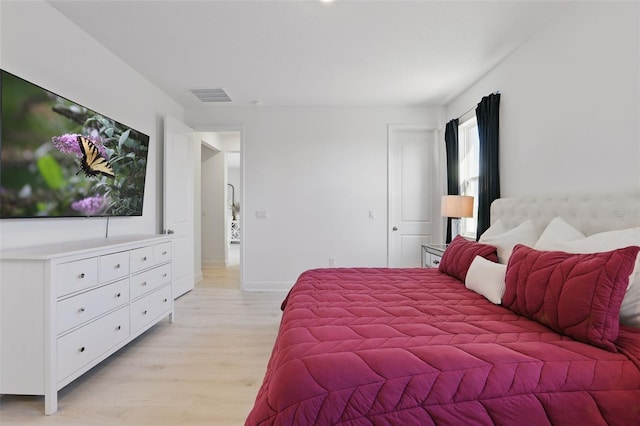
point(604, 241)
point(486, 278)
point(557, 231)
point(630, 309)
point(496, 229)
point(607, 241)
point(525, 233)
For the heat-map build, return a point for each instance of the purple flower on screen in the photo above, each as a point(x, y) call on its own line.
point(68, 144)
point(89, 206)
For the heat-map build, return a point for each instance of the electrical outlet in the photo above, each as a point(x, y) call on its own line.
point(332, 261)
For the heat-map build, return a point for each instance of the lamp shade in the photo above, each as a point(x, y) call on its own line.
point(457, 206)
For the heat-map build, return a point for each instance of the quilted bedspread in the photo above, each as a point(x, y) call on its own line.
point(415, 347)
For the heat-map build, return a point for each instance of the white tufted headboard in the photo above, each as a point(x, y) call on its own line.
point(589, 214)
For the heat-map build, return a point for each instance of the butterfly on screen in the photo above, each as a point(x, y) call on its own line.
point(93, 163)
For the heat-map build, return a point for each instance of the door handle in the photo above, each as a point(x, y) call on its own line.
point(395, 228)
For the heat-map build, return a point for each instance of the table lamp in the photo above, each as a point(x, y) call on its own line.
point(456, 207)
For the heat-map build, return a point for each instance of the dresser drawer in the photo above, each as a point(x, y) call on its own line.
point(432, 260)
point(81, 347)
point(114, 266)
point(77, 275)
point(141, 258)
point(78, 309)
point(150, 307)
point(162, 253)
point(150, 280)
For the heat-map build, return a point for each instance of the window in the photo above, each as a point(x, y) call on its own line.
point(469, 167)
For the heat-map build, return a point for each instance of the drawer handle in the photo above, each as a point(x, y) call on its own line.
point(165, 300)
point(144, 312)
point(117, 266)
point(118, 327)
point(118, 295)
point(435, 262)
point(164, 275)
point(82, 275)
point(144, 259)
point(144, 283)
point(82, 349)
point(81, 309)
point(164, 253)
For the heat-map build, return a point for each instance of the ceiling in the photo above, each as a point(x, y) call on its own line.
point(310, 53)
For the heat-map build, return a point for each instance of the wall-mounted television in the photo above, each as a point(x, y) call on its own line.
point(60, 159)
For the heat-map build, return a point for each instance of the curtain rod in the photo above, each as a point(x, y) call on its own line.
point(497, 92)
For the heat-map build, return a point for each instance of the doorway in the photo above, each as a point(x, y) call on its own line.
point(221, 204)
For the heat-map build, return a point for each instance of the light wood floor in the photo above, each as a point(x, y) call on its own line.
point(204, 369)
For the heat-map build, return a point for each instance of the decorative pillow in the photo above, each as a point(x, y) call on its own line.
point(486, 278)
point(460, 253)
point(557, 231)
point(578, 295)
point(606, 241)
point(525, 233)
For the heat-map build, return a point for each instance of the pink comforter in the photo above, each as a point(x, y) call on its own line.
point(415, 347)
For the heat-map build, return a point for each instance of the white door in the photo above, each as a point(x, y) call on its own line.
point(179, 145)
point(413, 193)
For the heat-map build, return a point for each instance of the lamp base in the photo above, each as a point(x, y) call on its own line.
point(455, 227)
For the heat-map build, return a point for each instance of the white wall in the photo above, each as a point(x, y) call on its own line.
point(42, 46)
point(569, 113)
point(230, 140)
point(317, 172)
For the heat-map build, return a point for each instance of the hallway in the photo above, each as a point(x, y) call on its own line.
point(223, 277)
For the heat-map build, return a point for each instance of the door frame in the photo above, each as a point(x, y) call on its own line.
point(217, 128)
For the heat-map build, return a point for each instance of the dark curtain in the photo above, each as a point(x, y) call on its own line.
point(453, 176)
point(487, 114)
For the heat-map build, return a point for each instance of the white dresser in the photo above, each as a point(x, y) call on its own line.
point(66, 307)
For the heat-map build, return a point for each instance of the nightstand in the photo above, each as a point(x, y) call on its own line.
point(431, 254)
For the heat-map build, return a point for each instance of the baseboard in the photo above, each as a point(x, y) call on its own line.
point(198, 277)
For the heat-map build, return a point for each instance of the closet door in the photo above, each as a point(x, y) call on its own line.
point(413, 193)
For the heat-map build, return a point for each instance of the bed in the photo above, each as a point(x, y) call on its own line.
point(385, 346)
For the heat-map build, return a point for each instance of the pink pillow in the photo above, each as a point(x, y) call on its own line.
point(578, 295)
point(460, 253)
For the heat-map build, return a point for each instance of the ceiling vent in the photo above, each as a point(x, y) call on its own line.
point(211, 95)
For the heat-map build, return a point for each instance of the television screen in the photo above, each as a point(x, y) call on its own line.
point(60, 159)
